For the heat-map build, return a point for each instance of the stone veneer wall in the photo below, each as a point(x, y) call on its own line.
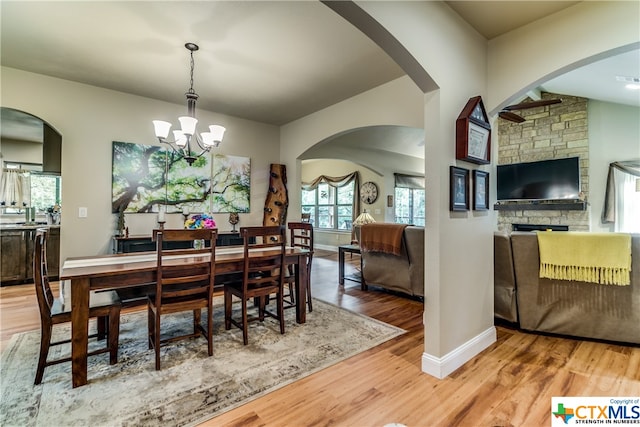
point(551, 132)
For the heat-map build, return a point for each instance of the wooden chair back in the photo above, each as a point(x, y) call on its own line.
point(301, 236)
point(177, 279)
point(264, 250)
point(40, 276)
point(105, 306)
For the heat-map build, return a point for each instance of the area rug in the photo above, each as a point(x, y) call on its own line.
point(191, 387)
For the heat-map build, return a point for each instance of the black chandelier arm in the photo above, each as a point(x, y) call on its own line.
point(185, 151)
point(201, 144)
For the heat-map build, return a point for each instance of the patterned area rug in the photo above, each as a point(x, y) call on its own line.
point(191, 387)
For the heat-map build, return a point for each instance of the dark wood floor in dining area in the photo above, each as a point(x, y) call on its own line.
point(509, 384)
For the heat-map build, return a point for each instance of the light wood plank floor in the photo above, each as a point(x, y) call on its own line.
point(509, 384)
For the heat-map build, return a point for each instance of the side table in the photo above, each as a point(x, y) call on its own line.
point(352, 249)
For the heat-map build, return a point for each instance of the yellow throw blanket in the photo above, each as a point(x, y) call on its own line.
point(603, 258)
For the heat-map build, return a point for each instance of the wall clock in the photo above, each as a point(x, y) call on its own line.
point(369, 192)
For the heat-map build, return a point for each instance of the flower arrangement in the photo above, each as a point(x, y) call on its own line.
point(200, 221)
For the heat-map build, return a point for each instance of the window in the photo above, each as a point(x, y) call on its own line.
point(628, 203)
point(410, 200)
point(25, 185)
point(45, 191)
point(330, 207)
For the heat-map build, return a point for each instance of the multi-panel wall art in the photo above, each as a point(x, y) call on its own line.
point(145, 177)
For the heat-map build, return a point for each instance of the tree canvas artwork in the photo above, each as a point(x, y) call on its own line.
point(145, 177)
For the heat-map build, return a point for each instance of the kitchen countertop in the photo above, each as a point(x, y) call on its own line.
point(24, 226)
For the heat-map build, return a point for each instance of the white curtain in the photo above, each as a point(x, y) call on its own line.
point(627, 201)
point(15, 188)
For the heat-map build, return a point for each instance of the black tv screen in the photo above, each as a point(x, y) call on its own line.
point(545, 180)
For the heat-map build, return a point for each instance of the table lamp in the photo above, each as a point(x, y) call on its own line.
point(363, 218)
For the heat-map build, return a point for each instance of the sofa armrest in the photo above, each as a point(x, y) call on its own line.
point(504, 279)
point(414, 241)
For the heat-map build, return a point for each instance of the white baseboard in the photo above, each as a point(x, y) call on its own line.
point(440, 367)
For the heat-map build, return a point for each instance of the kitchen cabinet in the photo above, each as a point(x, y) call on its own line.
point(16, 254)
point(12, 256)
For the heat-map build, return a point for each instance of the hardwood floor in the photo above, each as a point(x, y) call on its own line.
point(509, 384)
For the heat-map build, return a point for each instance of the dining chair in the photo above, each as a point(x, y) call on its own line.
point(105, 306)
point(301, 236)
point(263, 275)
point(183, 286)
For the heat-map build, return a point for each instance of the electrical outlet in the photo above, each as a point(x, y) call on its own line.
point(82, 212)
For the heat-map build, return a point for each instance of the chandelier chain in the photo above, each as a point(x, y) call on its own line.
point(191, 80)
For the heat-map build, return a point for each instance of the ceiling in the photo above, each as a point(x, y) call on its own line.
point(267, 61)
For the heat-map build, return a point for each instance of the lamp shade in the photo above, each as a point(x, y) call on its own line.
point(364, 218)
point(207, 138)
point(180, 138)
point(161, 128)
point(218, 132)
point(188, 124)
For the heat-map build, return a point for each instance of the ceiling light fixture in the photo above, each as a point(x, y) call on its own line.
point(633, 83)
point(183, 138)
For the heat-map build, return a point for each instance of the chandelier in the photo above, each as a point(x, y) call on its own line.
point(187, 139)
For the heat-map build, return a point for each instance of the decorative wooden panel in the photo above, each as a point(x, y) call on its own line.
point(277, 201)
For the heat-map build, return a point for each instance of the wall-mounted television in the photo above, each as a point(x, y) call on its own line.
point(557, 179)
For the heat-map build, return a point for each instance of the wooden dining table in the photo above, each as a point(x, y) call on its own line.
point(138, 269)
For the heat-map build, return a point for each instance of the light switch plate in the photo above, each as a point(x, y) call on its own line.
point(82, 212)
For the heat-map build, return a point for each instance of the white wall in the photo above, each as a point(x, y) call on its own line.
point(89, 119)
point(454, 56)
point(458, 246)
point(614, 135)
point(398, 102)
point(575, 36)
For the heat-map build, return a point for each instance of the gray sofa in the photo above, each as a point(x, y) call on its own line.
point(402, 273)
point(580, 309)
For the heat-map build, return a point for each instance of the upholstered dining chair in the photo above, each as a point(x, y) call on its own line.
point(183, 286)
point(105, 306)
point(263, 275)
point(301, 235)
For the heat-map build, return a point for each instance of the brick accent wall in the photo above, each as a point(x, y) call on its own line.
point(551, 132)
